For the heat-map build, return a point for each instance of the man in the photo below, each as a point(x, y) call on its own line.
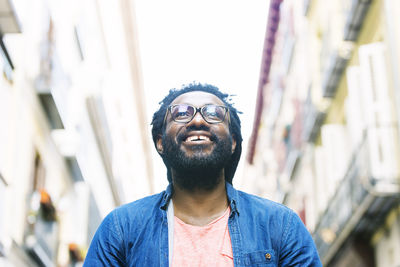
point(201, 220)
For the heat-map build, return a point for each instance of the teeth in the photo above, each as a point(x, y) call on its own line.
point(197, 137)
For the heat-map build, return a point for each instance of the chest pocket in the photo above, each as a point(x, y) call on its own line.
point(260, 258)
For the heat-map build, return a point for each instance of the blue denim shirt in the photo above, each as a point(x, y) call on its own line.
point(263, 233)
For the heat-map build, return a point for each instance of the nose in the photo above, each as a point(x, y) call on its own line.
point(197, 120)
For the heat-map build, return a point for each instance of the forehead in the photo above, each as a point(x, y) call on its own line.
point(198, 99)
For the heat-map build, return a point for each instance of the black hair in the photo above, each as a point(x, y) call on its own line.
point(234, 127)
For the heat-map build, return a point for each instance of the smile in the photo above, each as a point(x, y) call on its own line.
point(197, 138)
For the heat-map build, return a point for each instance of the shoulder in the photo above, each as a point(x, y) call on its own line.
point(137, 212)
point(257, 203)
point(266, 213)
point(121, 228)
point(143, 203)
point(140, 206)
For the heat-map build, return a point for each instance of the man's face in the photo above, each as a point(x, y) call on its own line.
point(196, 149)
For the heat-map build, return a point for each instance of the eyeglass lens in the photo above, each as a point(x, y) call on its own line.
point(185, 113)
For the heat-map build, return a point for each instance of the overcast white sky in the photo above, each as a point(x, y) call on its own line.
point(218, 42)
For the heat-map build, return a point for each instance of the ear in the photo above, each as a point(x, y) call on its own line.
point(159, 145)
point(233, 143)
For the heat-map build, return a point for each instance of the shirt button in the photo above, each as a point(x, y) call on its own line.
point(268, 256)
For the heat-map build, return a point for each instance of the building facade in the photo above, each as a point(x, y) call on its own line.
point(326, 134)
point(74, 135)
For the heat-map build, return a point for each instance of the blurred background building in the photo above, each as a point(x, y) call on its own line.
point(75, 139)
point(70, 150)
point(325, 140)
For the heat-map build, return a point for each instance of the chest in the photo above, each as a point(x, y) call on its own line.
point(250, 245)
point(208, 245)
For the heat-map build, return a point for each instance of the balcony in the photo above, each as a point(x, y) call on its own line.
point(8, 20)
point(50, 110)
point(313, 119)
point(355, 19)
point(359, 205)
point(336, 64)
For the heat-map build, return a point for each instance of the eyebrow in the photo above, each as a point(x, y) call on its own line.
point(201, 106)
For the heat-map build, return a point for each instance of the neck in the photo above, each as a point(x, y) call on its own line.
point(200, 206)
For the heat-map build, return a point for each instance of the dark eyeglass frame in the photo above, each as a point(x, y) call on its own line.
point(200, 109)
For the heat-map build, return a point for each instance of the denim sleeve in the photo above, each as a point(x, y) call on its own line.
point(106, 248)
point(297, 247)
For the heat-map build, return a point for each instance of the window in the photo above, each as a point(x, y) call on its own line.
point(41, 236)
point(8, 65)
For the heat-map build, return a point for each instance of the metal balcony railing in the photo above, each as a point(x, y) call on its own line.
point(355, 18)
point(358, 207)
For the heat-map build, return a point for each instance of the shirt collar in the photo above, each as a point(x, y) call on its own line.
point(233, 198)
point(231, 192)
point(166, 197)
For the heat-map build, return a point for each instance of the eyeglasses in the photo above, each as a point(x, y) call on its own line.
point(184, 113)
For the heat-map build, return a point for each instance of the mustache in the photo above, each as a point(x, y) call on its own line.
point(182, 136)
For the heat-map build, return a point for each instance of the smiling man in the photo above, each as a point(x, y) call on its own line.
point(200, 219)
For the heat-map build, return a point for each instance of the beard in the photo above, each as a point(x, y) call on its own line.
point(198, 171)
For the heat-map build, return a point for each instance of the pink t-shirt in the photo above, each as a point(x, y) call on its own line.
point(202, 246)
